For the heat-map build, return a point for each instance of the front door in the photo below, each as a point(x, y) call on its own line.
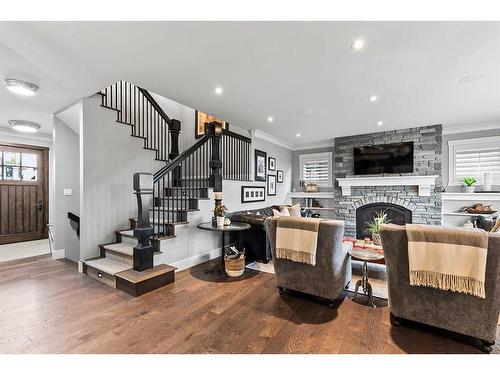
point(23, 193)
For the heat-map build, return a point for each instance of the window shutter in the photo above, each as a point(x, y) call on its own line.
point(475, 158)
point(317, 168)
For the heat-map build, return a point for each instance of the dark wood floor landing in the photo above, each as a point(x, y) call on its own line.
point(48, 307)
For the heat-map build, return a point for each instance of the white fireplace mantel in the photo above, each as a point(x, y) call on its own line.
point(424, 183)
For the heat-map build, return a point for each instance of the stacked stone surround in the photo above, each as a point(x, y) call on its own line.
point(427, 161)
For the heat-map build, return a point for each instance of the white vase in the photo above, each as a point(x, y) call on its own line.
point(220, 221)
point(469, 189)
point(488, 177)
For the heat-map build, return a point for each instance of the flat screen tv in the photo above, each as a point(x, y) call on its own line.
point(388, 158)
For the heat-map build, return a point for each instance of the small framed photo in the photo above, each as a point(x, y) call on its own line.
point(251, 194)
point(200, 118)
point(279, 176)
point(260, 166)
point(271, 185)
point(272, 164)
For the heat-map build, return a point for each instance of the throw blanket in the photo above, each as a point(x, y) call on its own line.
point(297, 239)
point(448, 259)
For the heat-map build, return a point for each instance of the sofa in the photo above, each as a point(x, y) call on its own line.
point(332, 271)
point(457, 312)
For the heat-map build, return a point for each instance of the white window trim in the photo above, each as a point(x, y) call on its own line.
point(452, 179)
point(322, 155)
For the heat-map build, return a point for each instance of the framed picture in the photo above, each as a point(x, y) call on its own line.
point(271, 184)
point(260, 165)
point(200, 118)
point(272, 164)
point(279, 176)
point(253, 194)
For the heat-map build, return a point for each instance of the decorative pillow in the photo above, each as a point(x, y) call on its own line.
point(284, 212)
point(295, 210)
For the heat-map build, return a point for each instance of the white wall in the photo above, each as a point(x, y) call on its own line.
point(67, 176)
point(109, 158)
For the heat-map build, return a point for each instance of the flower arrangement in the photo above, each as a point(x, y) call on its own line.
point(220, 210)
point(469, 184)
point(373, 226)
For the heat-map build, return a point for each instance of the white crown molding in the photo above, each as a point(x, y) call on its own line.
point(466, 128)
point(272, 139)
point(321, 144)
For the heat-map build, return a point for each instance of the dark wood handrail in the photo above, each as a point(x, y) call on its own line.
point(236, 135)
point(155, 105)
point(179, 159)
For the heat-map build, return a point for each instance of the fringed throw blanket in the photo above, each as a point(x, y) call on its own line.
point(297, 239)
point(448, 259)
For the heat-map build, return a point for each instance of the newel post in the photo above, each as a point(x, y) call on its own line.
point(214, 130)
point(175, 129)
point(143, 252)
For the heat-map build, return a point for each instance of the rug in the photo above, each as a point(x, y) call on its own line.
point(377, 275)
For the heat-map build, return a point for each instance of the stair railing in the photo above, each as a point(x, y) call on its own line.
point(135, 106)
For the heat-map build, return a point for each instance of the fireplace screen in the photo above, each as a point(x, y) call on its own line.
point(397, 215)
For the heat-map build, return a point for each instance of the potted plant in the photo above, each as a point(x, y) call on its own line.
point(469, 184)
point(373, 226)
point(219, 212)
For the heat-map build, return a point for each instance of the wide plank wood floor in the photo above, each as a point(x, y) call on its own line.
point(46, 306)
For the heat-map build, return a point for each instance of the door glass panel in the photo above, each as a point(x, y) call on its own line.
point(11, 173)
point(29, 174)
point(29, 160)
point(12, 158)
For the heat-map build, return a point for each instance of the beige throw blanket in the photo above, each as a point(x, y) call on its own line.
point(297, 239)
point(448, 259)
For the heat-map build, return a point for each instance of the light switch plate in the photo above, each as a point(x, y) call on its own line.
point(68, 191)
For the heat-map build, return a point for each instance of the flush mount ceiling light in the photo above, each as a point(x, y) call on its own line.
point(20, 87)
point(24, 126)
point(218, 90)
point(270, 119)
point(380, 123)
point(373, 98)
point(358, 44)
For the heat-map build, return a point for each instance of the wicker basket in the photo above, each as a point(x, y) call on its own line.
point(377, 240)
point(235, 266)
point(311, 188)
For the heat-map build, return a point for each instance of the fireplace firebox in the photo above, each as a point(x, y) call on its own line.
point(397, 215)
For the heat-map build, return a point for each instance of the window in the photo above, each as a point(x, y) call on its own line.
point(16, 166)
point(473, 157)
point(316, 168)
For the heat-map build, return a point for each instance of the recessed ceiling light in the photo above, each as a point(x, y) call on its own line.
point(270, 119)
point(297, 135)
point(373, 98)
point(358, 44)
point(24, 126)
point(218, 90)
point(380, 123)
point(20, 87)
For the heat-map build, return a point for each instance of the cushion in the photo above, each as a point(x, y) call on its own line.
point(295, 210)
point(284, 212)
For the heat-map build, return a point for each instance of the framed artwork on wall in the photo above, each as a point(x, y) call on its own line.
point(272, 164)
point(271, 185)
point(200, 118)
point(279, 176)
point(251, 194)
point(260, 165)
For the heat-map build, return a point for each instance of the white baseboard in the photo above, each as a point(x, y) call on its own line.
point(80, 266)
point(58, 254)
point(197, 259)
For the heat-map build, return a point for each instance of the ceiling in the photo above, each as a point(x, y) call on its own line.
point(266, 69)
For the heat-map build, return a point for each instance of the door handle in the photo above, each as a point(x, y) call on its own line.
point(39, 205)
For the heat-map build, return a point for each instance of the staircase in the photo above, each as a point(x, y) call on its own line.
point(185, 179)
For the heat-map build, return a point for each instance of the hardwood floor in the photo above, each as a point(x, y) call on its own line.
point(46, 306)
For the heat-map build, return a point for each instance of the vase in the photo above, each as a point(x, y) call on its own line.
point(469, 189)
point(377, 240)
point(220, 221)
point(488, 177)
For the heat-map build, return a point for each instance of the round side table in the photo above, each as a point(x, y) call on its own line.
point(235, 226)
point(365, 255)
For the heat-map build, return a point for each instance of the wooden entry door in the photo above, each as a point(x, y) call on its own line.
point(23, 193)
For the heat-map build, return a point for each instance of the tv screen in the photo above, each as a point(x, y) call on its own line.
point(388, 158)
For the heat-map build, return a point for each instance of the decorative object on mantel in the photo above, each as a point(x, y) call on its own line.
point(424, 183)
point(271, 185)
point(478, 208)
point(260, 165)
point(279, 177)
point(200, 118)
point(469, 184)
point(250, 194)
point(271, 164)
point(311, 187)
point(373, 226)
point(219, 210)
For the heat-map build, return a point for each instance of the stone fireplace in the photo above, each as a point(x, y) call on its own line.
point(395, 213)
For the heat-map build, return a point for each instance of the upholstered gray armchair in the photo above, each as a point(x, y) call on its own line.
point(458, 312)
point(332, 271)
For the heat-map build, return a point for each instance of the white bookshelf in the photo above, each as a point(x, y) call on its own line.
point(453, 202)
point(325, 196)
